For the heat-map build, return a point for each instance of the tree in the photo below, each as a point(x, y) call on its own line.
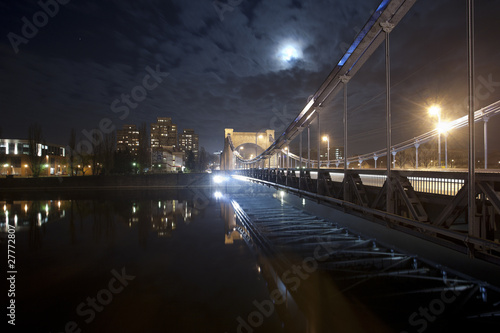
point(107, 159)
point(190, 161)
point(425, 157)
point(122, 163)
point(404, 157)
point(143, 154)
point(71, 152)
point(203, 160)
point(34, 155)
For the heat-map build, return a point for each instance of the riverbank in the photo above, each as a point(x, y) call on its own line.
point(111, 182)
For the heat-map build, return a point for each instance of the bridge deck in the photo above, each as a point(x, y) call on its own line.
point(379, 275)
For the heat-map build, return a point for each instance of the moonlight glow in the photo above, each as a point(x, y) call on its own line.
point(289, 53)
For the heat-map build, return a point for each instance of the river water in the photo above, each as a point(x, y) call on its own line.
point(186, 261)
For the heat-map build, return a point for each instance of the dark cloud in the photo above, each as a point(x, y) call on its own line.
point(227, 73)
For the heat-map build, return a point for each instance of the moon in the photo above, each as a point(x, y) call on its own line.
point(288, 53)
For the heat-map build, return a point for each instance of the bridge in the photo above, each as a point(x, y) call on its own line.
point(240, 146)
point(459, 209)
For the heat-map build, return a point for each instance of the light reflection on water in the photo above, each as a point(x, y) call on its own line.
point(196, 266)
point(162, 216)
point(190, 274)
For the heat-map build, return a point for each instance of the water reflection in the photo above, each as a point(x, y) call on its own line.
point(160, 216)
point(191, 260)
point(173, 243)
point(231, 234)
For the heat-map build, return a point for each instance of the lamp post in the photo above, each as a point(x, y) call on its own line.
point(327, 139)
point(444, 128)
point(435, 110)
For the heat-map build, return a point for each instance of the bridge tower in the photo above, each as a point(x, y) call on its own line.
point(246, 144)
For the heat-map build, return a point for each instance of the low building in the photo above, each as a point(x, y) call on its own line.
point(15, 159)
point(167, 159)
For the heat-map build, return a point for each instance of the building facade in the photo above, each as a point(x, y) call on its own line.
point(165, 153)
point(167, 160)
point(163, 133)
point(189, 140)
point(127, 139)
point(15, 159)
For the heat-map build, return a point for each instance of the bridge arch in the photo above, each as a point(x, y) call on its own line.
point(244, 145)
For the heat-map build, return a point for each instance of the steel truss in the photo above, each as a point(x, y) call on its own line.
point(439, 218)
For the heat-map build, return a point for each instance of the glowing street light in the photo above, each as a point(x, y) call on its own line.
point(327, 139)
point(435, 110)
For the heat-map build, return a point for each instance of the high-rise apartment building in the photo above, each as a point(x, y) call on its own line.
point(127, 139)
point(165, 152)
point(188, 140)
point(163, 133)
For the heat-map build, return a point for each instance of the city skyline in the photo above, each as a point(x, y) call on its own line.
point(249, 67)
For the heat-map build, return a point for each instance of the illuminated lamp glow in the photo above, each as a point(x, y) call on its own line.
point(219, 179)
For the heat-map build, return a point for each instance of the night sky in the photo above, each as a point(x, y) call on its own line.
point(247, 65)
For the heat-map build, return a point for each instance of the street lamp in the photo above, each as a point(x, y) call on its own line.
point(444, 128)
point(327, 139)
point(435, 110)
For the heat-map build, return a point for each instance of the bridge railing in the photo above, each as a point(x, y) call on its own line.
point(433, 182)
point(428, 204)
